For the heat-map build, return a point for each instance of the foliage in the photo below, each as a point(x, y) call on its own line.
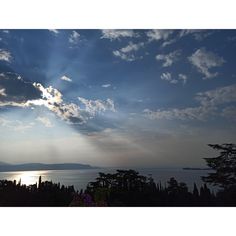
point(129, 188)
point(224, 166)
point(45, 194)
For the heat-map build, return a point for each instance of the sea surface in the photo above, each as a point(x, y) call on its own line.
point(80, 178)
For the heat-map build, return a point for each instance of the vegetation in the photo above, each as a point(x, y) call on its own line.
point(129, 188)
point(44, 194)
point(224, 166)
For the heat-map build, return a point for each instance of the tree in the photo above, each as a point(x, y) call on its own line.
point(224, 166)
point(195, 191)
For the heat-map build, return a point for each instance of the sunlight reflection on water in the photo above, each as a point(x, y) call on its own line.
point(27, 177)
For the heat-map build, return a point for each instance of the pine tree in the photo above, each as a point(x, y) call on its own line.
point(224, 166)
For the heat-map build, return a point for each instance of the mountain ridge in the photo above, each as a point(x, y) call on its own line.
point(4, 167)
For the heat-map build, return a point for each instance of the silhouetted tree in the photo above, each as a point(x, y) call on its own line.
point(195, 191)
point(40, 182)
point(224, 166)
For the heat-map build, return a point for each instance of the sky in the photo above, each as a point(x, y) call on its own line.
point(119, 98)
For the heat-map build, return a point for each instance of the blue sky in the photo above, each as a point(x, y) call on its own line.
point(116, 97)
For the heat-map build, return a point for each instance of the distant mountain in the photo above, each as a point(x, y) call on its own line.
point(42, 166)
point(3, 163)
point(196, 168)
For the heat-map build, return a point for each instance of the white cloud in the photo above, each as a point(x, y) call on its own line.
point(55, 31)
point(196, 33)
point(132, 47)
point(124, 56)
point(45, 121)
point(189, 113)
point(169, 42)
point(127, 53)
point(210, 105)
point(117, 34)
point(6, 31)
point(168, 59)
point(12, 103)
point(106, 85)
point(92, 107)
point(3, 92)
point(204, 60)
point(157, 34)
point(15, 125)
point(168, 77)
point(74, 37)
point(50, 94)
point(5, 55)
point(217, 96)
point(52, 99)
point(186, 32)
point(65, 78)
point(183, 78)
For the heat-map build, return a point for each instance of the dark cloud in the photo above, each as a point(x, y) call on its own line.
point(17, 89)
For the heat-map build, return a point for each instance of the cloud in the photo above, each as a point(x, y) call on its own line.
point(189, 113)
point(55, 31)
point(92, 107)
point(128, 53)
point(117, 34)
point(106, 85)
point(157, 34)
point(16, 97)
point(3, 92)
point(52, 99)
point(15, 125)
point(169, 42)
point(30, 95)
point(50, 94)
point(74, 37)
point(65, 78)
point(167, 77)
point(45, 121)
point(217, 96)
point(70, 112)
point(204, 60)
point(12, 103)
point(196, 33)
point(183, 77)
point(5, 55)
point(168, 59)
point(229, 113)
point(210, 105)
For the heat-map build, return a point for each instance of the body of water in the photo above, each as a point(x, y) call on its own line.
point(80, 178)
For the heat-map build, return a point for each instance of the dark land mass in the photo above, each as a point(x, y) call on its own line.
point(4, 167)
point(196, 168)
